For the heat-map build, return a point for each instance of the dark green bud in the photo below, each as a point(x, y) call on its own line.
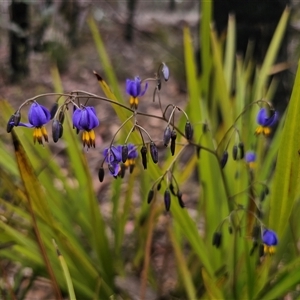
point(224, 159)
point(57, 130)
point(167, 199)
point(158, 186)
point(167, 136)
point(173, 141)
point(180, 201)
point(150, 196)
point(17, 118)
point(188, 131)
point(172, 189)
point(61, 117)
point(153, 152)
point(10, 124)
point(234, 152)
point(53, 110)
point(217, 239)
point(144, 156)
point(242, 150)
point(101, 174)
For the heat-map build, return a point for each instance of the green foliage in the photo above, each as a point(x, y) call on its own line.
point(43, 201)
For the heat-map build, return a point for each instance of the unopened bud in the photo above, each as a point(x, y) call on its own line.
point(150, 196)
point(10, 124)
point(167, 136)
point(57, 130)
point(61, 117)
point(153, 152)
point(166, 72)
point(180, 201)
point(188, 131)
point(173, 141)
point(234, 152)
point(101, 174)
point(172, 189)
point(167, 199)
point(17, 118)
point(242, 150)
point(158, 186)
point(122, 170)
point(131, 168)
point(53, 110)
point(217, 239)
point(224, 159)
point(256, 231)
point(144, 156)
point(124, 153)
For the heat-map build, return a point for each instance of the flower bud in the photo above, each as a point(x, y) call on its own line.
point(124, 153)
point(166, 72)
point(153, 152)
point(188, 131)
point(57, 130)
point(173, 141)
point(10, 124)
point(53, 110)
point(167, 199)
point(144, 156)
point(158, 186)
point(61, 117)
point(150, 196)
point(180, 201)
point(167, 136)
point(242, 150)
point(17, 118)
point(224, 159)
point(234, 152)
point(172, 189)
point(101, 174)
point(217, 239)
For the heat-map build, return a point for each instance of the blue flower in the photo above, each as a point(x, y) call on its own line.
point(134, 89)
point(250, 158)
point(38, 116)
point(270, 240)
point(85, 119)
point(113, 157)
point(265, 120)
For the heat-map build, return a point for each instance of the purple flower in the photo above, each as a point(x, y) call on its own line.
point(113, 157)
point(85, 119)
point(250, 157)
point(265, 120)
point(134, 89)
point(270, 240)
point(38, 116)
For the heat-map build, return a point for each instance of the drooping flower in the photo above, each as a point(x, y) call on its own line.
point(265, 120)
point(38, 116)
point(85, 119)
point(270, 240)
point(250, 159)
point(134, 90)
point(113, 157)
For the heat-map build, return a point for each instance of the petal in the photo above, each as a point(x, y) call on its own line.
point(270, 238)
point(261, 117)
point(38, 115)
point(250, 157)
point(145, 89)
point(76, 118)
